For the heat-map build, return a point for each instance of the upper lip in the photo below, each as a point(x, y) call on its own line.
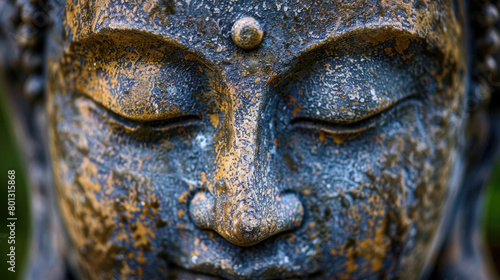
point(220, 259)
point(207, 268)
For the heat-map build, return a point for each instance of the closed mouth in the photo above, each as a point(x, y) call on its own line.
point(178, 273)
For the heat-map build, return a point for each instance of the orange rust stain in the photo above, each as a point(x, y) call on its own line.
point(402, 44)
point(204, 178)
point(282, 79)
point(339, 138)
point(351, 260)
point(140, 272)
point(322, 136)
point(270, 80)
point(126, 270)
point(140, 258)
point(389, 52)
point(333, 252)
point(147, 213)
point(122, 235)
point(130, 255)
point(142, 235)
point(183, 197)
point(374, 250)
point(89, 171)
point(296, 107)
point(214, 119)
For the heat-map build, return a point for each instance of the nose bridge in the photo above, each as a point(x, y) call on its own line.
point(236, 175)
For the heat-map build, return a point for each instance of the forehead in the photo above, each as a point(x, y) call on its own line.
point(290, 27)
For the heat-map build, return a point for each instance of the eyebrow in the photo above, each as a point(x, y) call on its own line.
point(113, 31)
point(164, 40)
point(376, 35)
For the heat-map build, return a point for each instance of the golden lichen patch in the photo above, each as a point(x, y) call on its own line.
point(374, 249)
point(89, 222)
point(184, 197)
point(214, 119)
point(142, 234)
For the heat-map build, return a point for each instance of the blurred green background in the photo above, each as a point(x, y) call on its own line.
point(10, 160)
point(492, 216)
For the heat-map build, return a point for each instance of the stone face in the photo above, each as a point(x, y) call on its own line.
point(257, 140)
point(328, 151)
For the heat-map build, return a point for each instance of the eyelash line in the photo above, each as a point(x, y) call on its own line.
point(133, 126)
point(356, 127)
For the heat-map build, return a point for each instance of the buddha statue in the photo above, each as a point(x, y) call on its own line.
point(255, 139)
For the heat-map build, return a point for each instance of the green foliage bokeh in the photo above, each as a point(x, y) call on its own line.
point(10, 159)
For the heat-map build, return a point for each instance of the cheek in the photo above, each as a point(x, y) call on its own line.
point(120, 195)
point(377, 197)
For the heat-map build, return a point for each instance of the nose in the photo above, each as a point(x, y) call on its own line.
point(243, 224)
point(246, 204)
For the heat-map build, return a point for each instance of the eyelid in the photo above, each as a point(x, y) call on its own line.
point(364, 124)
point(162, 83)
point(154, 126)
point(134, 126)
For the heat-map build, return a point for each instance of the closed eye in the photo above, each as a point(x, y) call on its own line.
point(332, 127)
point(135, 126)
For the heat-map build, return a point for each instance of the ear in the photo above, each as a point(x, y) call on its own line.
point(463, 255)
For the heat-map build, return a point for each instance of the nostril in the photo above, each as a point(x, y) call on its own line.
point(201, 209)
point(291, 211)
